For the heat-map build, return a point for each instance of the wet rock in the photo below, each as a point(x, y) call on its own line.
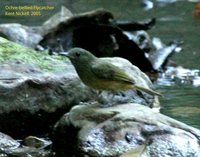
point(143, 40)
point(159, 58)
point(7, 144)
point(21, 34)
point(111, 131)
point(147, 5)
point(10, 147)
point(35, 142)
point(180, 76)
point(155, 50)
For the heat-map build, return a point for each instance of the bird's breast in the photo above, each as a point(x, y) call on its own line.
point(102, 84)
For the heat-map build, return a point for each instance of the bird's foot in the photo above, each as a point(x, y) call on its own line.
point(106, 105)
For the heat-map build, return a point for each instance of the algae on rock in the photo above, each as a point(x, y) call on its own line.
point(13, 51)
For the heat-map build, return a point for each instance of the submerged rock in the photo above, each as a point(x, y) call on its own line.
point(10, 147)
point(35, 142)
point(111, 131)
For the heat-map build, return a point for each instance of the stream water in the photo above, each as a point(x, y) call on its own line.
point(174, 22)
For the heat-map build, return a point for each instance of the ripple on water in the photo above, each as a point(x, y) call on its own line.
point(181, 95)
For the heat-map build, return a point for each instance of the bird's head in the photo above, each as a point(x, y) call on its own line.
point(78, 55)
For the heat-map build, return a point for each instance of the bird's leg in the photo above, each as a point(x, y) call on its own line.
point(146, 97)
point(112, 100)
point(122, 94)
point(120, 97)
point(100, 92)
point(112, 95)
point(108, 99)
point(100, 97)
point(105, 98)
point(60, 45)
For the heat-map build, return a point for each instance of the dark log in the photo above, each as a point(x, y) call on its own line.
point(97, 32)
point(135, 26)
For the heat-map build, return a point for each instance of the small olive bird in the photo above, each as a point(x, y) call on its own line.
point(100, 74)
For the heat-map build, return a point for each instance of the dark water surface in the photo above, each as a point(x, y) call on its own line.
point(174, 22)
point(182, 103)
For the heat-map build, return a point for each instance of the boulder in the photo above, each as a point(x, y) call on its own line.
point(21, 34)
point(111, 131)
point(36, 89)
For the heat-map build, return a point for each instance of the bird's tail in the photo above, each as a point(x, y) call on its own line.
point(149, 91)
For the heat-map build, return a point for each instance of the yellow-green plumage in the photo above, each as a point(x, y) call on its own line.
point(100, 74)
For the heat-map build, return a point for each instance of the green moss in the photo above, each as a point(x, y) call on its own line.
point(13, 51)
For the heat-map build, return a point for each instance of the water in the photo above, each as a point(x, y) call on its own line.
point(182, 103)
point(180, 98)
point(174, 22)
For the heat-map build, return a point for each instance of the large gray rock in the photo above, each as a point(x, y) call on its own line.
point(36, 89)
point(21, 34)
point(109, 132)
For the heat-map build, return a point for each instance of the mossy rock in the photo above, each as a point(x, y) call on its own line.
point(12, 51)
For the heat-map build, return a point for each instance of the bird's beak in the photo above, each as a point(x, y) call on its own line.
point(66, 54)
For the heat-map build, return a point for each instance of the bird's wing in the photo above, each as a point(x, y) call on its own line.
point(111, 72)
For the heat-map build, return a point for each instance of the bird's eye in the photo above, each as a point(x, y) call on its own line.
point(78, 54)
